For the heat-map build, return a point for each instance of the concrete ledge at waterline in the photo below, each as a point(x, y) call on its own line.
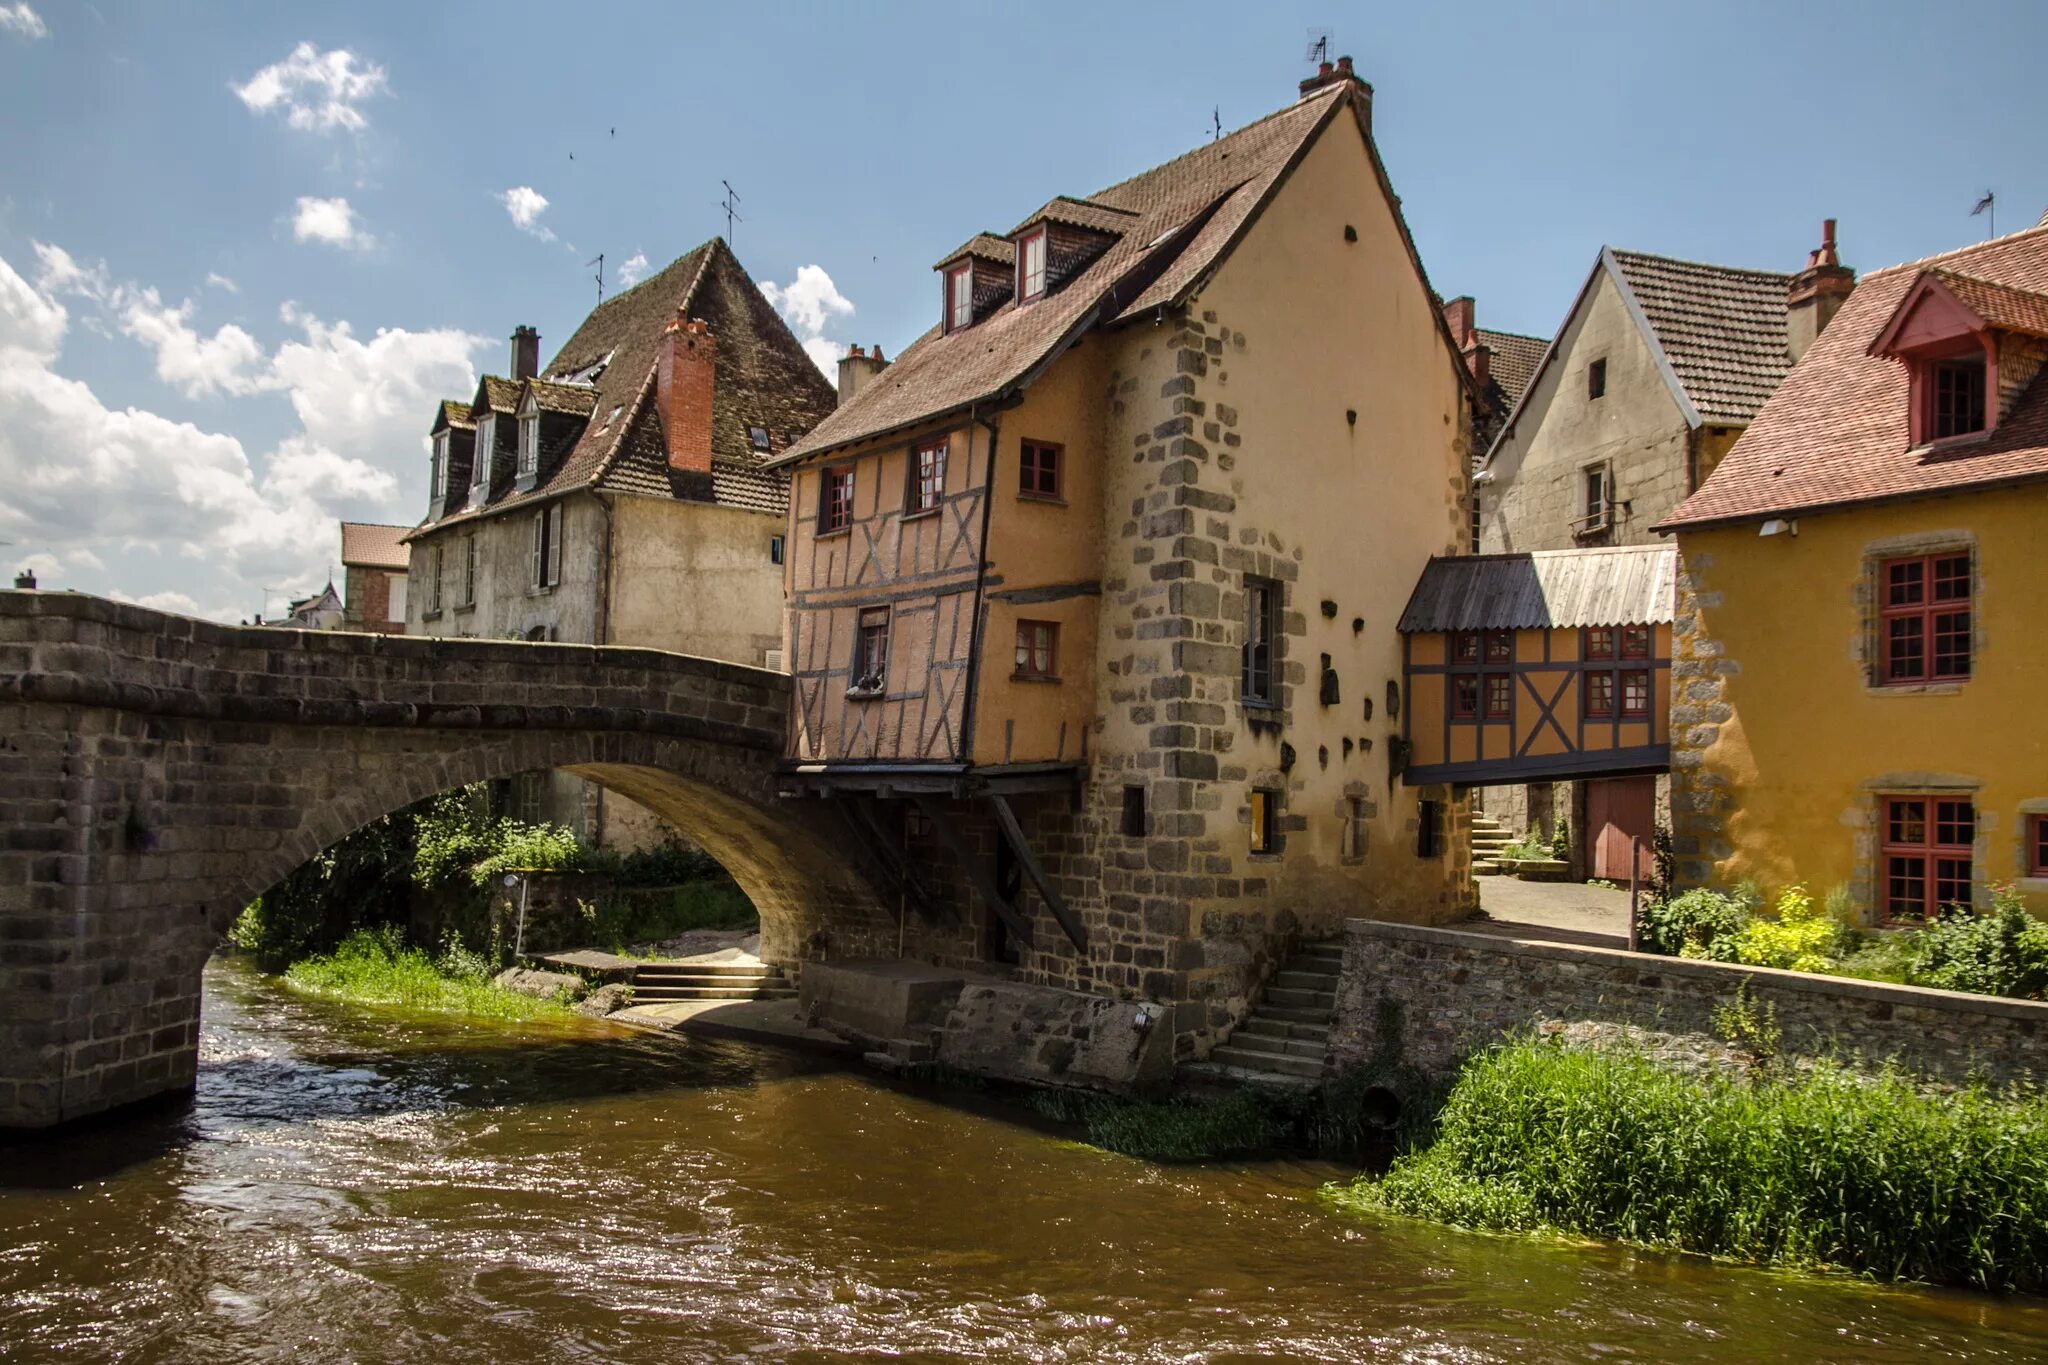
point(1457, 991)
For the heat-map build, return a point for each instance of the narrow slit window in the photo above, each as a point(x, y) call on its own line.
point(1134, 812)
point(1265, 821)
point(1596, 379)
point(1261, 636)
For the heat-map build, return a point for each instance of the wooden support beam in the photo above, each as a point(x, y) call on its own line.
point(860, 818)
point(1006, 819)
point(984, 881)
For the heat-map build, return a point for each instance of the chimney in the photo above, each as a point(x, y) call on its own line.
point(1458, 313)
point(685, 373)
point(857, 369)
point(25, 581)
point(1327, 75)
point(525, 353)
point(1458, 316)
point(1816, 294)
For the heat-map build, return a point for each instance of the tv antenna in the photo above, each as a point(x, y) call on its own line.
point(1216, 124)
point(731, 214)
point(1318, 45)
point(599, 263)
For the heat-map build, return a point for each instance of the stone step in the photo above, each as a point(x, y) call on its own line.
point(706, 979)
point(1260, 1024)
point(748, 971)
point(1488, 869)
point(1490, 841)
point(1278, 1047)
point(1487, 822)
point(1218, 1073)
point(647, 995)
point(1302, 999)
point(1287, 1014)
point(1295, 978)
point(1543, 870)
point(911, 1050)
point(1305, 1067)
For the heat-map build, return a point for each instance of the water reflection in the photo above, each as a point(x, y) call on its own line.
point(356, 1186)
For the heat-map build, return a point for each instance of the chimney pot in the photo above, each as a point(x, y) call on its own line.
point(25, 581)
point(856, 369)
point(525, 353)
point(1816, 293)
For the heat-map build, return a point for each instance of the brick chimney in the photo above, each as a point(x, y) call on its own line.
point(1459, 316)
point(1816, 294)
point(1328, 74)
point(685, 376)
point(525, 353)
point(857, 369)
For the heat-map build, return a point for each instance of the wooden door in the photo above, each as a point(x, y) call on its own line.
point(1618, 810)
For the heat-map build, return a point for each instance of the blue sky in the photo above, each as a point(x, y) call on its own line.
point(243, 247)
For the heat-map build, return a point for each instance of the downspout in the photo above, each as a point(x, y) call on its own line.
point(974, 641)
point(604, 634)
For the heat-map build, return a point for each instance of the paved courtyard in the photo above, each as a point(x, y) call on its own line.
point(1567, 912)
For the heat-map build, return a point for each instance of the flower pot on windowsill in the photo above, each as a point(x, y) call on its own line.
point(867, 689)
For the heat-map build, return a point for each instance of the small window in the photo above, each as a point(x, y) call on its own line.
point(440, 467)
point(547, 546)
point(1134, 812)
point(775, 549)
point(486, 442)
point(1265, 821)
point(1465, 647)
point(1925, 620)
point(1635, 694)
point(1351, 847)
point(871, 651)
point(1635, 642)
point(1500, 691)
point(959, 297)
point(2037, 846)
point(1031, 266)
point(1038, 471)
point(1500, 646)
point(1261, 640)
point(1037, 649)
point(469, 570)
point(1596, 379)
point(1958, 397)
point(835, 499)
point(1927, 854)
point(432, 602)
point(1599, 696)
point(757, 437)
point(529, 445)
point(1429, 836)
point(1598, 503)
point(927, 477)
point(1600, 643)
point(1465, 696)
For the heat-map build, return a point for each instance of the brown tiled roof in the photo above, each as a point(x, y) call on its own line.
point(2015, 310)
point(1186, 216)
point(454, 413)
point(1721, 329)
point(369, 545)
point(1544, 589)
point(500, 395)
point(575, 399)
point(1836, 432)
point(1082, 213)
point(1514, 360)
point(986, 245)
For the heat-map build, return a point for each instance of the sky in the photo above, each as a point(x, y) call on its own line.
point(246, 247)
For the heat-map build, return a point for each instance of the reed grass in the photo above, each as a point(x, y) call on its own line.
point(374, 967)
point(1825, 1168)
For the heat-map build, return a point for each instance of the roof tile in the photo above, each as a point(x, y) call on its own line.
point(1722, 329)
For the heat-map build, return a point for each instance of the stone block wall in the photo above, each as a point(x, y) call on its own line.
point(1454, 992)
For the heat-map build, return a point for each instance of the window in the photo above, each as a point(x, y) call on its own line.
point(1500, 691)
point(1500, 646)
point(1134, 812)
point(468, 597)
point(1465, 647)
point(927, 477)
point(775, 549)
point(1038, 470)
point(1031, 266)
point(1924, 620)
point(1261, 638)
point(1956, 392)
point(547, 547)
point(486, 438)
point(1037, 649)
point(1635, 694)
point(1351, 845)
point(1600, 696)
point(431, 604)
point(395, 610)
point(1598, 511)
point(1926, 852)
point(835, 499)
point(529, 445)
point(1464, 696)
point(757, 437)
point(1482, 682)
point(1635, 642)
point(1429, 821)
point(1265, 821)
point(2037, 845)
point(959, 297)
point(1596, 379)
point(1599, 643)
point(439, 472)
point(871, 651)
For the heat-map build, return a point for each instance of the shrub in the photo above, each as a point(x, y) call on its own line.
point(516, 847)
point(361, 881)
point(1801, 936)
point(1698, 923)
point(374, 966)
point(2004, 952)
point(668, 864)
point(1561, 841)
point(1824, 1169)
point(1528, 846)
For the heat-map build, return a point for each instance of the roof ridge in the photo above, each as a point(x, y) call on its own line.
point(1927, 262)
point(1503, 332)
point(1703, 265)
point(1201, 148)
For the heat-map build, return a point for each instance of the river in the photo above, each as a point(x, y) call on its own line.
point(363, 1185)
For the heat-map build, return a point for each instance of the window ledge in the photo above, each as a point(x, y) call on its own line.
point(546, 590)
point(1949, 445)
point(830, 535)
point(864, 693)
point(1049, 499)
point(464, 608)
point(1933, 689)
point(1035, 677)
point(919, 515)
point(1259, 704)
point(430, 616)
point(1272, 857)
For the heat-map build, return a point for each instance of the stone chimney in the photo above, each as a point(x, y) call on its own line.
point(1459, 317)
point(1341, 72)
point(25, 581)
point(857, 369)
point(685, 378)
point(525, 353)
point(1816, 294)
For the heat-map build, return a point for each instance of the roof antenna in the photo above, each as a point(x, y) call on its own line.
point(599, 263)
point(731, 215)
point(1988, 204)
point(1216, 124)
point(1318, 45)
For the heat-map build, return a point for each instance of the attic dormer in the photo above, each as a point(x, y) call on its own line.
point(977, 279)
point(453, 438)
point(1970, 348)
point(1060, 241)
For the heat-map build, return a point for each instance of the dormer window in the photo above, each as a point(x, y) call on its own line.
point(486, 446)
point(1953, 333)
point(959, 297)
point(1031, 266)
point(1956, 391)
point(757, 437)
point(439, 479)
point(529, 443)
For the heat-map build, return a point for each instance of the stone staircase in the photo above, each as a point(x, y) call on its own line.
point(1281, 1043)
point(654, 982)
point(1489, 836)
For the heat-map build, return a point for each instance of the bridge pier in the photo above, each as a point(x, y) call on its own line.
point(157, 773)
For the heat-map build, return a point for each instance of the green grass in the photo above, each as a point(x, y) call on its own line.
point(1825, 1169)
point(1246, 1124)
point(374, 967)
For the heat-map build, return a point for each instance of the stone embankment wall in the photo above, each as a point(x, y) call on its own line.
point(1455, 992)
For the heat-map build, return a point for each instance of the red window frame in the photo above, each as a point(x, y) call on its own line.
point(1465, 647)
point(2037, 845)
point(1038, 650)
point(871, 647)
point(1598, 691)
point(1599, 643)
point(958, 297)
point(1025, 293)
point(1926, 851)
point(1925, 619)
point(835, 499)
point(1041, 470)
point(1635, 642)
point(1464, 696)
point(1500, 695)
point(1481, 682)
point(1635, 694)
point(1500, 646)
point(927, 476)
point(1957, 396)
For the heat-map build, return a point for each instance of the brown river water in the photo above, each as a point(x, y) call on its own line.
point(362, 1185)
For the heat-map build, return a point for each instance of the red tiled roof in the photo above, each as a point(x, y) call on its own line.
point(368, 545)
point(1835, 433)
point(1721, 328)
point(2014, 310)
point(1514, 360)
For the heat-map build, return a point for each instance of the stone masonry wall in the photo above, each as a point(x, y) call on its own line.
point(1455, 992)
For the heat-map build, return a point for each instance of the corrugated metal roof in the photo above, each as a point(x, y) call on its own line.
point(1620, 586)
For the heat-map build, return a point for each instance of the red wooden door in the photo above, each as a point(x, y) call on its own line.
point(1619, 809)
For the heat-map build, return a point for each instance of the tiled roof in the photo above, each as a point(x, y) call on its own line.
point(1721, 329)
point(502, 395)
point(1514, 360)
point(2015, 310)
point(454, 413)
point(372, 546)
point(986, 245)
point(1544, 589)
point(1082, 213)
point(1836, 431)
point(575, 399)
point(1186, 215)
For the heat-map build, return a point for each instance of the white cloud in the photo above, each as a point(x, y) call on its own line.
point(317, 91)
point(634, 270)
point(526, 204)
point(331, 221)
point(88, 483)
point(809, 303)
point(217, 280)
point(19, 18)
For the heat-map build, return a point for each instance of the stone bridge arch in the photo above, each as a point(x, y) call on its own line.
point(157, 772)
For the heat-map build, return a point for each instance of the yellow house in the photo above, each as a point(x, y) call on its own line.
point(1092, 591)
point(1862, 600)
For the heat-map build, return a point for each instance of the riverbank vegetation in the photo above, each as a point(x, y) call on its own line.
point(1817, 1168)
point(377, 967)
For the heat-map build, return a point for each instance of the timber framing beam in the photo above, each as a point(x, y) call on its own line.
point(1006, 819)
point(860, 821)
point(983, 880)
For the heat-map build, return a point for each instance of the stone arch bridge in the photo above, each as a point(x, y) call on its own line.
point(157, 773)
